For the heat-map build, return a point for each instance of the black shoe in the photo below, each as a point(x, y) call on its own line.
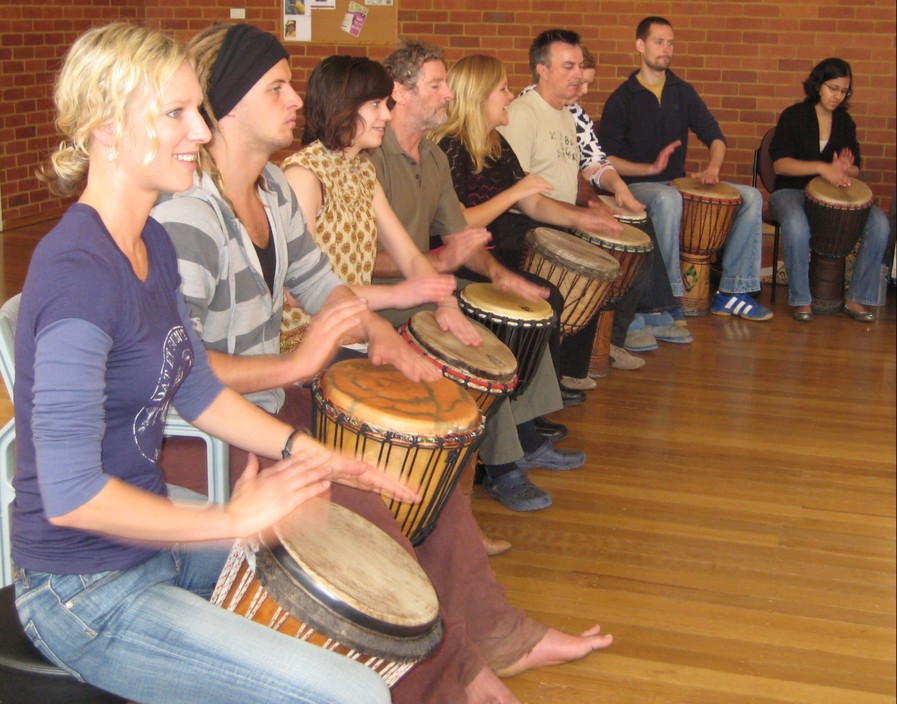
point(572, 397)
point(549, 430)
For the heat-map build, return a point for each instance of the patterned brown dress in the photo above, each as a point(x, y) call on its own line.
point(346, 229)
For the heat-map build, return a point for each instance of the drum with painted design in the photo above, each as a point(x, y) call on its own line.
point(419, 433)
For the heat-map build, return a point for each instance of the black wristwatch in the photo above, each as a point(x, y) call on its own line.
point(286, 446)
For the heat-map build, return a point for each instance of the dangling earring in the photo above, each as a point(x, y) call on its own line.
point(112, 154)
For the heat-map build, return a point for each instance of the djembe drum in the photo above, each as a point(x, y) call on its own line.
point(582, 272)
point(837, 216)
point(488, 371)
point(708, 212)
point(331, 578)
point(524, 326)
point(630, 248)
point(419, 433)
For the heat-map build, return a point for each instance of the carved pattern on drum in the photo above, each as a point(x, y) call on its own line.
point(421, 433)
point(582, 272)
point(708, 213)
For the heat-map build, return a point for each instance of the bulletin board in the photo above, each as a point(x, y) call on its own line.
point(346, 21)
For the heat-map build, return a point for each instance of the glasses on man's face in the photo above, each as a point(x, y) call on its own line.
point(844, 92)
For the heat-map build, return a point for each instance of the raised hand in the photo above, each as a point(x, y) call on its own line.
point(663, 158)
point(459, 247)
point(327, 329)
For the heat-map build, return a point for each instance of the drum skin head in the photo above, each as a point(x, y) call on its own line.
point(629, 239)
point(490, 360)
point(625, 216)
point(716, 191)
point(857, 194)
point(340, 557)
point(506, 304)
point(385, 398)
point(574, 253)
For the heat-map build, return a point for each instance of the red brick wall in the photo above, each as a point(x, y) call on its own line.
point(747, 59)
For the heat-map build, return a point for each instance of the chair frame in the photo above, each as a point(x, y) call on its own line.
point(217, 451)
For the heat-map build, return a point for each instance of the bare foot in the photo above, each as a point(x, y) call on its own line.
point(486, 688)
point(557, 647)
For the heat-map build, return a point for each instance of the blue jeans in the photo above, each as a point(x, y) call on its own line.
point(744, 246)
point(150, 634)
point(788, 206)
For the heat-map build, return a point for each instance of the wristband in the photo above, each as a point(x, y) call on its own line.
point(286, 452)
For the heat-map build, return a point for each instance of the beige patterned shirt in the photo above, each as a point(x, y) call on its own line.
point(346, 229)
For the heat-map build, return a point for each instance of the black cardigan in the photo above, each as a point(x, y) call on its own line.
point(797, 136)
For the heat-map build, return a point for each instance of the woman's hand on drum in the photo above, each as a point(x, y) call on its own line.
point(385, 346)
point(598, 217)
point(844, 159)
point(458, 248)
point(506, 280)
point(328, 327)
point(261, 498)
point(451, 320)
point(625, 199)
point(423, 289)
point(837, 172)
point(354, 472)
point(663, 159)
point(530, 185)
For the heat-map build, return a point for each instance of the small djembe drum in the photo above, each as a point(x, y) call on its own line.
point(837, 216)
point(488, 371)
point(708, 212)
point(582, 272)
point(418, 433)
point(524, 326)
point(333, 579)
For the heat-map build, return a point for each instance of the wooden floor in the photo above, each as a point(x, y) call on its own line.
point(734, 527)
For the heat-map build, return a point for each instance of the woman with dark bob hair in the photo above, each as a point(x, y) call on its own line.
point(817, 137)
point(344, 205)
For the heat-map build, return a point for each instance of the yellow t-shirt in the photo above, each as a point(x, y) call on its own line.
point(656, 88)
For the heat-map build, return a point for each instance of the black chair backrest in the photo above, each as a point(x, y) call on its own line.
point(763, 162)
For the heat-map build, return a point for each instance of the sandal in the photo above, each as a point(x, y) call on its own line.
point(516, 492)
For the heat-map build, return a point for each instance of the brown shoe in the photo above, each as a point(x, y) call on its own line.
point(622, 359)
point(494, 546)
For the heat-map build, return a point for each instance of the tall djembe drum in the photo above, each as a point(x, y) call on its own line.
point(630, 248)
point(419, 433)
point(582, 272)
point(708, 212)
point(837, 216)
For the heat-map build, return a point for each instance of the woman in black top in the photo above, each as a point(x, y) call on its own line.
point(817, 137)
